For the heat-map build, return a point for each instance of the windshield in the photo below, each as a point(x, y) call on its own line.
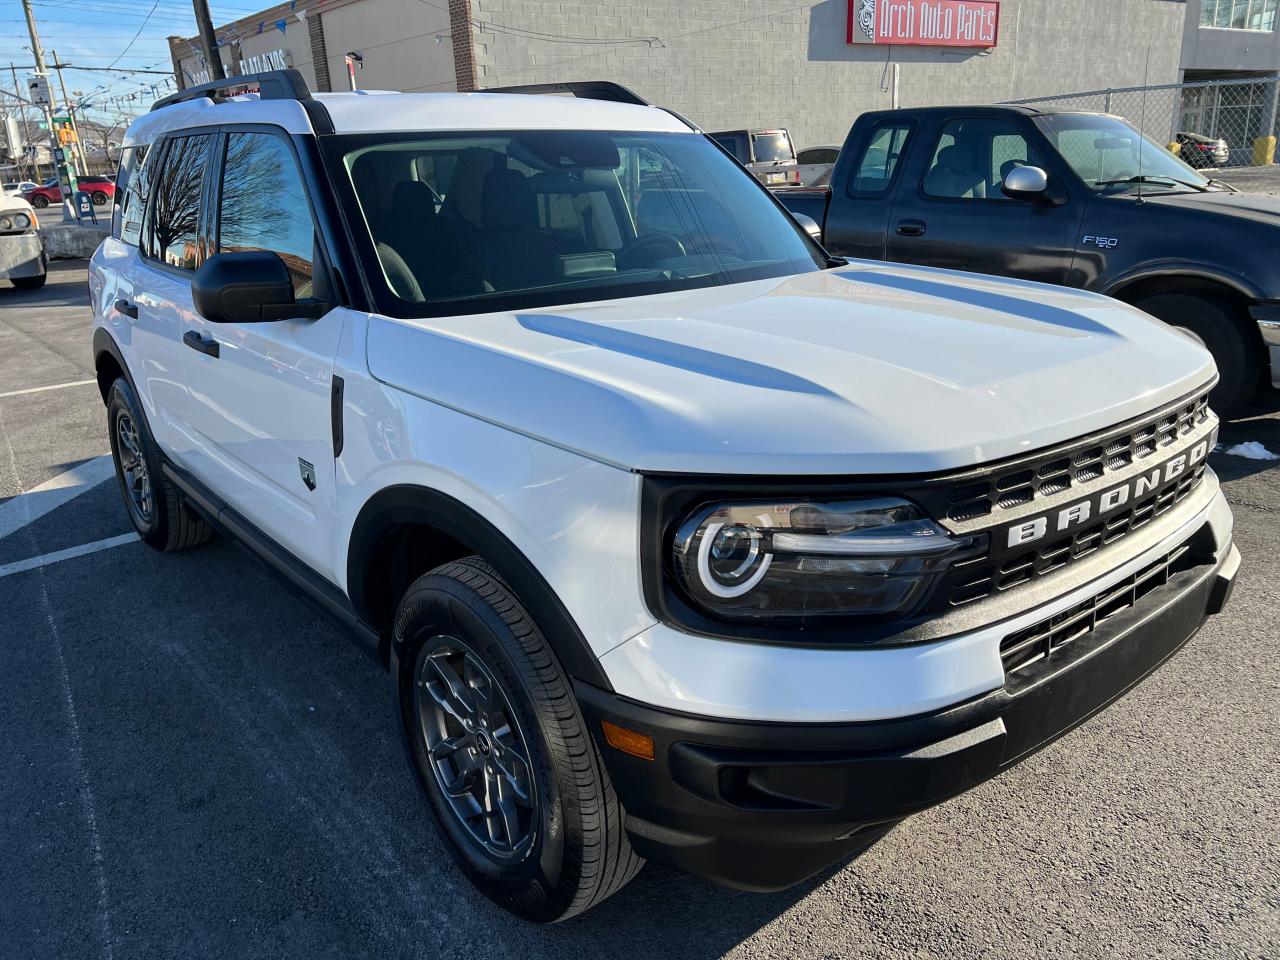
point(1106, 151)
point(772, 147)
point(468, 223)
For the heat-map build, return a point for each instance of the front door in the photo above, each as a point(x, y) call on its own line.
point(261, 406)
point(952, 213)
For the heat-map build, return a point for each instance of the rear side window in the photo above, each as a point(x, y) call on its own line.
point(736, 144)
point(131, 194)
point(874, 173)
point(264, 205)
point(175, 218)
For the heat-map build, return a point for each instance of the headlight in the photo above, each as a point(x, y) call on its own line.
point(6, 223)
point(21, 221)
point(794, 559)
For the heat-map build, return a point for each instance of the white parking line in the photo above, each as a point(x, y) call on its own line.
point(53, 493)
point(70, 553)
point(52, 386)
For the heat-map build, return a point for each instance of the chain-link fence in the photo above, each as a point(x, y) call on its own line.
point(1214, 123)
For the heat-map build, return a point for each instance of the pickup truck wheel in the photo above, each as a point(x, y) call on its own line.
point(154, 504)
point(1214, 325)
point(512, 778)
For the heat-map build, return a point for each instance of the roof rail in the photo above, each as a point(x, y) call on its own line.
point(272, 85)
point(584, 89)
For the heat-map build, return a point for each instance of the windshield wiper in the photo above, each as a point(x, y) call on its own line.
point(1215, 182)
point(1157, 179)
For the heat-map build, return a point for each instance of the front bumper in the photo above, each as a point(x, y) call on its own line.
point(1267, 316)
point(21, 255)
point(762, 806)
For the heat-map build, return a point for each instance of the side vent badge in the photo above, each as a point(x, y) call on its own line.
point(308, 472)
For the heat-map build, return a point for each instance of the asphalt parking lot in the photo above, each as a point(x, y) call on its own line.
point(195, 765)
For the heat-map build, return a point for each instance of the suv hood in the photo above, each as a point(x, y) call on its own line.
point(864, 369)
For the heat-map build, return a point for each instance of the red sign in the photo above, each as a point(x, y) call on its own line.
point(927, 23)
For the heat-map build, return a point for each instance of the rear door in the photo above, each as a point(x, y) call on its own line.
point(161, 292)
point(260, 402)
point(864, 187)
point(951, 212)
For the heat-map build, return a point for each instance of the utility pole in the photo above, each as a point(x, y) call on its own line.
point(66, 176)
point(209, 39)
point(26, 129)
point(75, 129)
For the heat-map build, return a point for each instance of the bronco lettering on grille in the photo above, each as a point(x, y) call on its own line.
point(1036, 528)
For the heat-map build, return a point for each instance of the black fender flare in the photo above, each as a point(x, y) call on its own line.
point(1173, 269)
point(411, 504)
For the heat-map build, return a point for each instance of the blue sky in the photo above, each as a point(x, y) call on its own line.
point(125, 35)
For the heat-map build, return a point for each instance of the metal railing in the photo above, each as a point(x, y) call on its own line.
point(1192, 117)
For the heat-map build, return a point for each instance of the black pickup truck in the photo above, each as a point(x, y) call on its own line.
point(1065, 197)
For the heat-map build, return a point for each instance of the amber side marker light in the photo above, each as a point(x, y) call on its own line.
point(628, 741)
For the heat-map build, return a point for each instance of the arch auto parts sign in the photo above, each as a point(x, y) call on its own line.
point(928, 23)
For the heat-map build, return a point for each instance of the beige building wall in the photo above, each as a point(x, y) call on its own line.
point(396, 38)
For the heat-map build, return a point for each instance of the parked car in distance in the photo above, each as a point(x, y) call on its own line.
point(22, 257)
point(18, 187)
point(678, 539)
point(1066, 197)
point(814, 163)
point(101, 190)
point(42, 196)
point(769, 154)
point(1199, 151)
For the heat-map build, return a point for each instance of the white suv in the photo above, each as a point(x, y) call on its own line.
point(680, 539)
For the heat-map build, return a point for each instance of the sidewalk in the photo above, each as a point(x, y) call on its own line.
point(1251, 179)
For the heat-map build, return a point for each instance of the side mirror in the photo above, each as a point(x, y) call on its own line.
point(1026, 183)
point(249, 287)
point(809, 225)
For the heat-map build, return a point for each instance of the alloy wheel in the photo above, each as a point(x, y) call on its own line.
point(137, 480)
point(476, 751)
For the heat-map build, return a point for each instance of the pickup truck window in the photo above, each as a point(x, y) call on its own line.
point(1105, 152)
point(974, 155)
point(465, 222)
point(264, 205)
point(879, 161)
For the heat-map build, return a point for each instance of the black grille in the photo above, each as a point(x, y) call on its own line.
point(1056, 472)
point(980, 577)
point(1037, 643)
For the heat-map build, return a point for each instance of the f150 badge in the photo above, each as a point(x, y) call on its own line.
point(1081, 512)
point(1104, 243)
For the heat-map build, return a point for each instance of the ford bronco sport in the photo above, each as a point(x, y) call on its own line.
point(680, 539)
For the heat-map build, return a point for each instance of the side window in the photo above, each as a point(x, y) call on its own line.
point(131, 194)
point(973, 156)
point(264, 205)
point(175, 217)
point(874, 173)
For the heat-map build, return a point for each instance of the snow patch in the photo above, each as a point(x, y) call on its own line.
point(1251, 450)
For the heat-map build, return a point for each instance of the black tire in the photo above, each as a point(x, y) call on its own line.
point(39, 201)
point(1220, 329)
point(574, 851)
point(29, 283)
point(99, 198)
point(161, 518)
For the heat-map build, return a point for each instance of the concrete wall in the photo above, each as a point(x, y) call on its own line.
point(759, 63)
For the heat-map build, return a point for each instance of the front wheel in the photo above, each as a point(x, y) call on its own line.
point(29, 283)
point(513, 780)
point(39, 201)
point(1215, 326)
point(99, 199)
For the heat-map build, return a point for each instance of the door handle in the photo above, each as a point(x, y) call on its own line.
point(911, 228)
point(206, 345)
point(130, 310)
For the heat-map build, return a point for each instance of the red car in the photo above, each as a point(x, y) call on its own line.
point(100, 189)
